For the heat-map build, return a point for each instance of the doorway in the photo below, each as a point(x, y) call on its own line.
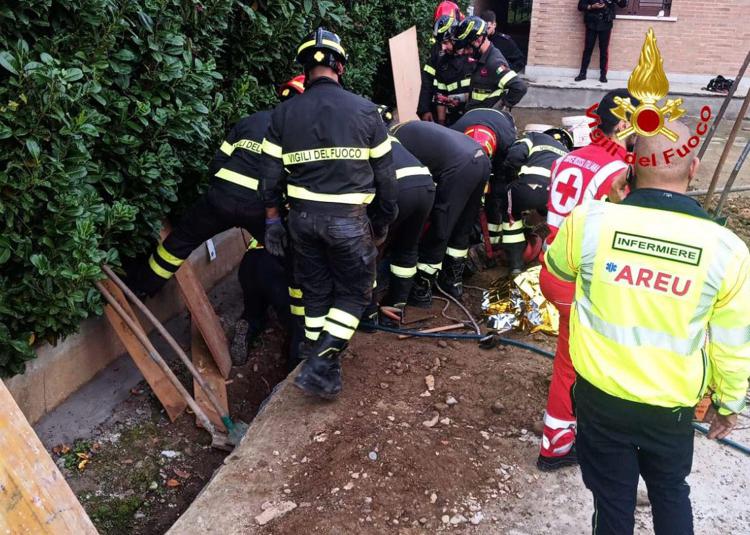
point(513, 18)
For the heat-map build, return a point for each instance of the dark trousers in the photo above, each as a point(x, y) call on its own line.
point(265, 283)
point(617, 440)
point(506, 204)
point(588, 48)
point(223, 206)
point(402, 247)
point(457, 202)
point(334, 263)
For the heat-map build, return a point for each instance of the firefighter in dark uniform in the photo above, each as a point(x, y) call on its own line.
point(443, 69)
point(493, 84)
point(232, 200)
point(338, 155)
point(416, 195)
point(504, 42)
point(495, 131)
point(527, 175)
point(264, 281)
point(461, 170)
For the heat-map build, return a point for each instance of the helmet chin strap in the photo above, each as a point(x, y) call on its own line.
point(476, 50)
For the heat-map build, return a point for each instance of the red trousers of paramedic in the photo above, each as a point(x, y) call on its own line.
point(559, 422)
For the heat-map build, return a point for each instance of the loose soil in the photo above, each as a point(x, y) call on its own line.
point(388, 415)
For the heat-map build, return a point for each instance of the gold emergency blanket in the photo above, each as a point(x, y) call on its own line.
point(519, 304)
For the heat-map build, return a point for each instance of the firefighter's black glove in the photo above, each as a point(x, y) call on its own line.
point(276, 240)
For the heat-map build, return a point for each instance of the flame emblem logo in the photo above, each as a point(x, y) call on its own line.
point(648, 83)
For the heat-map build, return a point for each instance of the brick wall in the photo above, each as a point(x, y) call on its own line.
point(706, 38)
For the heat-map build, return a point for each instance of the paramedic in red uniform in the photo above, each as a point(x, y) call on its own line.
point(584, 174)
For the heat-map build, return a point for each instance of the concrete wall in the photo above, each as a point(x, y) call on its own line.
point(60, 370)
point(699, 38)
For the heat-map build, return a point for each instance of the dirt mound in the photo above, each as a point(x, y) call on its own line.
point(413, 461)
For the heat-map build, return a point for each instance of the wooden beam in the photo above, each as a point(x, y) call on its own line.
point(203, 314)
point(211, 374)
point(34, 496)
point(162, 387)
point(204, 317)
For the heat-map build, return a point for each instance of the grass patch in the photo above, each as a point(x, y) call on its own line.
point(114, 516)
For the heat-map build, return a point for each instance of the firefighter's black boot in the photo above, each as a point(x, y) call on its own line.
point(451, 278)
point(514, 255)
point(421, 291)
point(369, 318)
point(238, 349)
point(299, 347)
point(398, 291)
point(321, 372)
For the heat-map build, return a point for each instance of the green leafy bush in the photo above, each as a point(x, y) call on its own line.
point(110, 112)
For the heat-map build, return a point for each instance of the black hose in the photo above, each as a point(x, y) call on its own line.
point(457, 336)
point(417, 334)
point(728, 442)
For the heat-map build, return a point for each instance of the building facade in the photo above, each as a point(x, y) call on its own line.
point(698, 40)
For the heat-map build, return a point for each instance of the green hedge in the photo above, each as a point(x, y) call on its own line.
point(110, 112)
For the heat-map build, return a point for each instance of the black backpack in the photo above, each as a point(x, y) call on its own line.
point(719, 85)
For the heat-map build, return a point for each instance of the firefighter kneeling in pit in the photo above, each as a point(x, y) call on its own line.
point(661, 314)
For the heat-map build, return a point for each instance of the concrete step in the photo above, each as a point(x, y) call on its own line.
point(557, 92)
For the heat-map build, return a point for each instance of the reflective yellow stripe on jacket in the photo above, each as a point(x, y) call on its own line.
point(548, 148)
point(238, 178)
point(298, 192)
point(662, 304)
point(534, 170)
point(481, 96)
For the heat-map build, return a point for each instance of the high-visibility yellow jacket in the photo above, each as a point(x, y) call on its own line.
point(662, 307)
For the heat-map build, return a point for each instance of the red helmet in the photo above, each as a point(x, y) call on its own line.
point(295, 86)
point(484, 136)
point(533, 247)
point(448, 8)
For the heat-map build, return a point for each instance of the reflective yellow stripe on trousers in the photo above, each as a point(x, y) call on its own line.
point(340, 324)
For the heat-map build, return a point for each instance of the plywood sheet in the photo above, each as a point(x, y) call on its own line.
point(407, 78)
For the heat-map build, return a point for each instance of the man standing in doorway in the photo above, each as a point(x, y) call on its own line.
point(598, 15)
point(504, 42)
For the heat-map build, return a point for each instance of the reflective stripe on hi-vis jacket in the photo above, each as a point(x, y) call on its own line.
point(662, 306)
point(298, 192)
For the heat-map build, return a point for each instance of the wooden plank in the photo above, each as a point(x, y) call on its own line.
point(202, 312)
point(34, 496)
point(162, 387)
point(204, 317)
point(407, 78)
point(207, 368)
